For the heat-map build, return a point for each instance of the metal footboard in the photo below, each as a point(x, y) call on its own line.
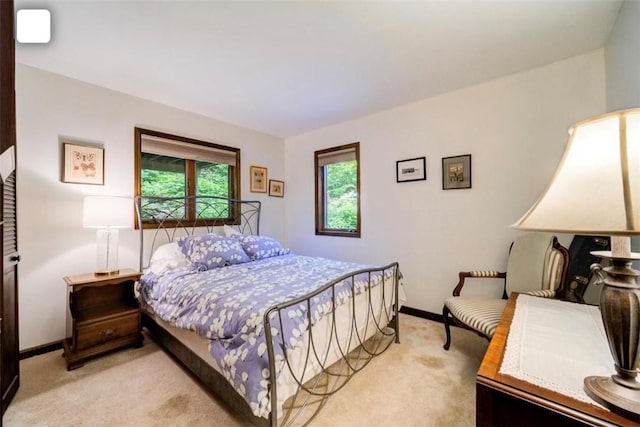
point(362, 327)
point(329, 363)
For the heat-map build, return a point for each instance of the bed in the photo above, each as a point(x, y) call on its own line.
point(271, 333)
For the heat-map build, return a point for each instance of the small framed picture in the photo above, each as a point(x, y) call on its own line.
point(258, 179)
point(276, 188)
point(456, 172)
point(82, 164)
point(411, 170)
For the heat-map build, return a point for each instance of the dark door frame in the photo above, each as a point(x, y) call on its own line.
point(9, 346)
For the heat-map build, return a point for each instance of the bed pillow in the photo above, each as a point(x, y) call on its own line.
point(211, 251)
point(260, 247)
point(231, 231)
point(167, 257)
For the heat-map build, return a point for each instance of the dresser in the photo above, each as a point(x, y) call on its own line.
point(504, 400)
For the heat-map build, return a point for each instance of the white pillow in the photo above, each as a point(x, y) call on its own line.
point(231, 231)
point(167, 257)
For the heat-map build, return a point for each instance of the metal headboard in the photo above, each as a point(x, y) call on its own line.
point(164, 219)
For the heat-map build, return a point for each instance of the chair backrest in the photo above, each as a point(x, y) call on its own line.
point(536, 262)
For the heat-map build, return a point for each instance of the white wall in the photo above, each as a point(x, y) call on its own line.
point(622, 65)
point(622, 59)
point(515, 128)
point(52, 242)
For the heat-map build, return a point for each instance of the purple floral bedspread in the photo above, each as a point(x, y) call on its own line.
point(227, 304)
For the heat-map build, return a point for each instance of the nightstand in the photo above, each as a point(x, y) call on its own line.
point(105, 313)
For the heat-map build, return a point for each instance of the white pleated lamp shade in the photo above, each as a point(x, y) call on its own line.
point(596, 188)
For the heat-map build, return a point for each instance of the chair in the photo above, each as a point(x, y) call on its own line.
point(537, 265)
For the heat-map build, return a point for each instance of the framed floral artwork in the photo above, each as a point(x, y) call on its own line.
point(258, 179)
point(82, 164)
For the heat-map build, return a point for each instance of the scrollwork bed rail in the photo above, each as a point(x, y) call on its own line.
point(366, 338)
point(169, 218)
point(350, 319)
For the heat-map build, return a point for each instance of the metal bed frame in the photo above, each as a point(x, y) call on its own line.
point(160, 220)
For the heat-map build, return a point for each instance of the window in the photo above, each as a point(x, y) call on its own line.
point(174, 166)
point(338, 191)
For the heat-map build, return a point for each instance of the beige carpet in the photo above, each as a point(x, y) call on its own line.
point(415, 383)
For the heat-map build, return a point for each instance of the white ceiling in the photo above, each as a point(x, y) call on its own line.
point(285, 68)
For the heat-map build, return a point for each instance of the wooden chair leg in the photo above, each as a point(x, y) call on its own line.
point(445, 320)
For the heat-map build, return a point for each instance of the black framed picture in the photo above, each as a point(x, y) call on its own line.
point(456, 172)
point(411, 169)
point(276, 188)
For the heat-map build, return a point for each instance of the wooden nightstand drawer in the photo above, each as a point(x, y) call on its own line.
point(105, 315)
point(101, 332)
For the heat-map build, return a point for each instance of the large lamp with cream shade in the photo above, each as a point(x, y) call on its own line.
point(596, 191)
point(108, 214)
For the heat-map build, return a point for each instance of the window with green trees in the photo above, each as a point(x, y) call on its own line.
point(338, 191)
point(173, 166)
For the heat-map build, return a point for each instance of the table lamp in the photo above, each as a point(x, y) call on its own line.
point(596, 191)
point(107, 214)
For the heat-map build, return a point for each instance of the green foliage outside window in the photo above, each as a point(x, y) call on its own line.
point(166, 177)
point(162, 183)
point(163, 176)
point(342, 195)
point(212, 179)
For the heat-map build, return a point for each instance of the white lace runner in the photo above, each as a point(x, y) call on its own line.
point(555, 345)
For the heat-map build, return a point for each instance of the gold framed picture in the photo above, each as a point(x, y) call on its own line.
point(258, 179)
point(276, 188)
point(82, 164)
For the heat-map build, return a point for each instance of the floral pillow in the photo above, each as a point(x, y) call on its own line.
point(260, 247)
point(211, 251)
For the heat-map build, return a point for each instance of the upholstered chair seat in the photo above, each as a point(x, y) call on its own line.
point(481, 314)
point(537, 265)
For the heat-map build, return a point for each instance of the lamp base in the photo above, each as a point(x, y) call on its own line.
point(619, 307)
point(107, 251)
point(618, 398)
point(106, 273)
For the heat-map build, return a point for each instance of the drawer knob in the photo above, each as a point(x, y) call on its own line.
point(108, 332)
